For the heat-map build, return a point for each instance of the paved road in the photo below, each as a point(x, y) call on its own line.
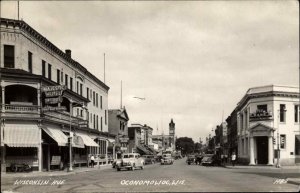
point(184, 178)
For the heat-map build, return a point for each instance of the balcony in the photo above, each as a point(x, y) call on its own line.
point(261, 115)
point(20, 111)
point(64, 117)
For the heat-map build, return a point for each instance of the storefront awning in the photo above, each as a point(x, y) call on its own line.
point(57, 135)
point(21, 135)
point(88, 141)
point(143, 150)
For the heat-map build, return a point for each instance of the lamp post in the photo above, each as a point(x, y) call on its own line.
point(70, 169)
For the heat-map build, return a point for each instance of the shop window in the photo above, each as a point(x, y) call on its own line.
point(9, 56)
point(21, 151)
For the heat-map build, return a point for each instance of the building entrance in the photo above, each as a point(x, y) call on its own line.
point(262, 150)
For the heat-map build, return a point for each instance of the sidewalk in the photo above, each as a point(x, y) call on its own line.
point(65, 172)
point(295, 167)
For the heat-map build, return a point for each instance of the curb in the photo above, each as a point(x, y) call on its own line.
point(295, 181)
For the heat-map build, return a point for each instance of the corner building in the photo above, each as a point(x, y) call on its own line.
point(29, 134)
point(268, 118)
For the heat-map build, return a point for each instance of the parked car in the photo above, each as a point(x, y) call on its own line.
point(130, 161)
point(166, 159)
point(115, 162)
point(210, 160)
point(149, 159)
point(190, 159)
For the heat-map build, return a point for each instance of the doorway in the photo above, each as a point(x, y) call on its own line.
point(262, 150)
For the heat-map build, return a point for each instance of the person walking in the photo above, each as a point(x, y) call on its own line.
point(92, 161)
point(233, 158)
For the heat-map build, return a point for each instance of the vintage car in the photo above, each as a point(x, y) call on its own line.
point(191, 159)
point(166, 159)
point(115, 162)
point(149, 159)
point(210, 160)
point(130, 161)
point(198, 159)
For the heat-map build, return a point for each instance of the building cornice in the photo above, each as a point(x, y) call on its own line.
point(23, 26)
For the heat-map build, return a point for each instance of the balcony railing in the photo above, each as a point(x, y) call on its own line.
point(261, 115)
point(18, 110)
point(63, 117)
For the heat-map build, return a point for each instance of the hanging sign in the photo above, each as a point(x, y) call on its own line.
point(49, 108)
point(53, 100)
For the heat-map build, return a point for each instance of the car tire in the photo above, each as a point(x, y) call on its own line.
point(118, 169)
point(142, 167)
point(189, 163)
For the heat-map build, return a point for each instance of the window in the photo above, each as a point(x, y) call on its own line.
point(9, 56)
point(262, 108)
point(50, 71)
point(71, 83)
point(101, 124)
point(66, 80)
point(97, 124)
point(282, 142)
point(296, 113)
point(80, 90)
point(62, 77)
point(43, 68)
point(282, 113)
point(297, 144)
point(96, 99)
point(101, 102)
point(58, 76)
point(91, 118)
point(87, 93)
point(94, 121)
point(30, 62)
point(77, 87)
point(105, 119)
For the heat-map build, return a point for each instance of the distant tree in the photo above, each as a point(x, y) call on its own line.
point(185, 144)
point(198, 147)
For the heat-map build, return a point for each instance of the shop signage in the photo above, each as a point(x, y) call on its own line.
point(53, 93)
point(124, 139)
point(54, 88)
point(82, 123)
point(123, 148)
point(49, 108)
point(77, 141)
point(53, 100)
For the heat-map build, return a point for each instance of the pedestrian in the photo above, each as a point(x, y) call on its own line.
point(233, 158)
point(92, 161)
point(222, 159)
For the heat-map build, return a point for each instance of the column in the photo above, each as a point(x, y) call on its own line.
point(270, 151)
point(252, 162)
point(106, 148)
point(255, 150)
point(3, 99)
point(40, 160)
point(39, 99)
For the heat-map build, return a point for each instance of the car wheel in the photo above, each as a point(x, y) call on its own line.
point(189, 163)
point(118, 169)
point(142, 167)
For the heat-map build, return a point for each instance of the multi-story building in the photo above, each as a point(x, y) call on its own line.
point(118, 126)
point(46, 97)
point(232, 133)
point(140, 139)
point(267, 120)
point(166, 142)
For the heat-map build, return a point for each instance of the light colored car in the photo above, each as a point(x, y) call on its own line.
point(166, 159)
point(130, 161)
point(149, 159)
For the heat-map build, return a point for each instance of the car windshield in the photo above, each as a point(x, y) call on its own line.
point(128, 156)
point(191, 156)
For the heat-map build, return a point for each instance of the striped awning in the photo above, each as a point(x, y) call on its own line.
point(21, 135)
point(88, 141)
point(57, 135)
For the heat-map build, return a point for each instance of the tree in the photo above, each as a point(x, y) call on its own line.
point(198, 147)
point(185, 144)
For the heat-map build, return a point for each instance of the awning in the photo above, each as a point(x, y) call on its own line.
point(57, 135)
point(143, 149)
point(88, 141)
point(21, 135)
point(111, 140)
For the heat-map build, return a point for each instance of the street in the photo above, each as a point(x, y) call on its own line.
point(174, 178)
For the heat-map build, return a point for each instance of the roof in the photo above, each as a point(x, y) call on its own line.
point(23, 26)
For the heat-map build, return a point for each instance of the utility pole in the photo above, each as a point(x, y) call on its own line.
point(121, 96)
point(104, 67)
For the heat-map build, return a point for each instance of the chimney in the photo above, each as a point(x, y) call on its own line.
point(68, 53)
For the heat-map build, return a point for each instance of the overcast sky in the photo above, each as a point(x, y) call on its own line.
point(190, 60)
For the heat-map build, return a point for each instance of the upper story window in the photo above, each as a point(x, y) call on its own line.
point(282, 111)
point(262, 108)
point(101, 102)
point(62, 76)
point(96, 99)
point(30, 62)
point(43, 68)
point(9, 56)
point(71, 83)
point(105, 119)
point(296, 113)
point(58, 76)
point(66, 80)
point(79, 85)
point(50, 71)
point(87, 93)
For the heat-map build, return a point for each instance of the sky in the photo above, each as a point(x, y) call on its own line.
point(192, 61)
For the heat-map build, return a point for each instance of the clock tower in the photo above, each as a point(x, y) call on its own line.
point(172, 134)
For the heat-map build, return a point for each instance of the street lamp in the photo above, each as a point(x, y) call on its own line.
point(283, 110)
